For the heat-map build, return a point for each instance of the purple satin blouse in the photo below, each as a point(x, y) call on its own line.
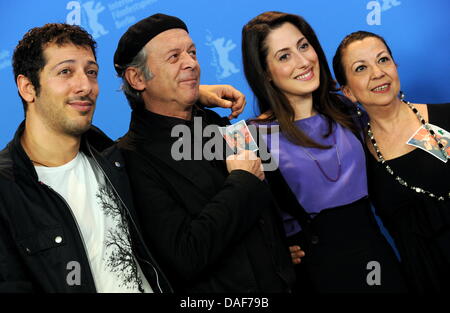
point(320, 184)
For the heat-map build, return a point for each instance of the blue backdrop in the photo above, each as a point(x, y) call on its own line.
point(417, 31)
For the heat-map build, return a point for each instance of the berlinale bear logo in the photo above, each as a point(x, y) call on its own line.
point(92, 10)
point(221, 56)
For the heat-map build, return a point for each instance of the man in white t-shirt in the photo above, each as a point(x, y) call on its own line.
point(67, 222)
point(99, 215)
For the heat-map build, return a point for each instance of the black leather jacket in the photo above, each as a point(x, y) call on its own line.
point(39, 235)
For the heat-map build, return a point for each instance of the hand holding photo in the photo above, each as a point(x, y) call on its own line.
point(238, 137)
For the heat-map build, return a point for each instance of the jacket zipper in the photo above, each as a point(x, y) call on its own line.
point(129, 214)
point(79, 231)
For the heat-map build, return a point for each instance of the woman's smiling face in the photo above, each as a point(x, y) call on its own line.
point(372, 77)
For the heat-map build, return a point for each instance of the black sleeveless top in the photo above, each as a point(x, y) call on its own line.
point(419, 224)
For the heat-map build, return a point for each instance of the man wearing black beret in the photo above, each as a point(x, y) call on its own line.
point(212, 224)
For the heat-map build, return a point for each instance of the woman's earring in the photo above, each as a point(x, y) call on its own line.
point(358, 110)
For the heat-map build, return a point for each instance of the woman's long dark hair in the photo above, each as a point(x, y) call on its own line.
point(270, 99)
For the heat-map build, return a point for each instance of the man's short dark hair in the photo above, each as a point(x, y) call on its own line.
point(28, 58)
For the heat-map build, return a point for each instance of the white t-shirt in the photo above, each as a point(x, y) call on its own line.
point(98, 213)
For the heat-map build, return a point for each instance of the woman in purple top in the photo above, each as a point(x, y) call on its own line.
point(321, 185)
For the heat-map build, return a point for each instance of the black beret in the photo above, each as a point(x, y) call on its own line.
point(137, 36)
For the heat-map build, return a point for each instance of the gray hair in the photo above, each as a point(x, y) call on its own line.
point(139, 62)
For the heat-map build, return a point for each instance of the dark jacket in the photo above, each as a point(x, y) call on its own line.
point(32, 215)
point(212, 231)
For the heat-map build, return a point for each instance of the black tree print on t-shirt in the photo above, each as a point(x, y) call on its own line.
point(120, 259)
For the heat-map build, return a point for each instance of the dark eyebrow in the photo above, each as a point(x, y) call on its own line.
point(70, 61)
point(62, 62)
point(381, 53)
point(284, 49)
point(362, 61)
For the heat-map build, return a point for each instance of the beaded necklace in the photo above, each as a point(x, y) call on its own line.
point(389, 169)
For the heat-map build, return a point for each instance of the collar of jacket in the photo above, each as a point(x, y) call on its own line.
point(94, 137)
point(145, 124)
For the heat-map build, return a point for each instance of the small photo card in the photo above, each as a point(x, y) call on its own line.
point(238, 137)
point(425, 141)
